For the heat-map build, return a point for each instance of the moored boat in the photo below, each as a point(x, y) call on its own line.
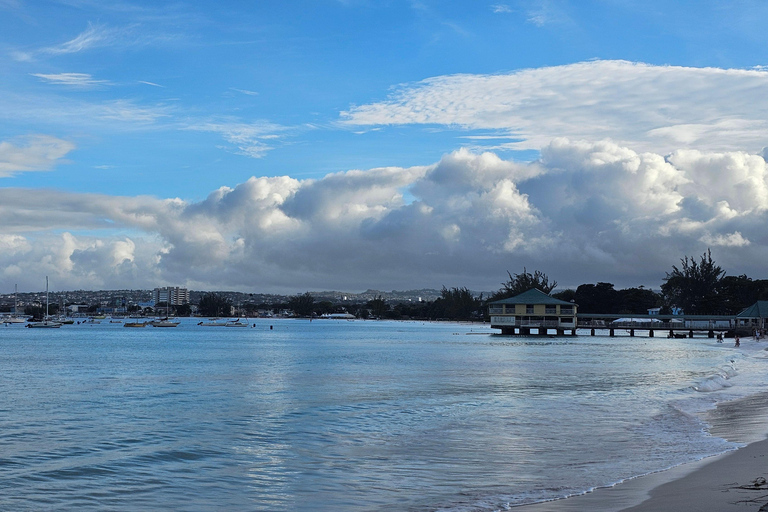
point(14, 318)
point(46, 322)
point(163, 322)
point(212, 324)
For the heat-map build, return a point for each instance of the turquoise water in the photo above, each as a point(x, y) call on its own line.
point(346, 416)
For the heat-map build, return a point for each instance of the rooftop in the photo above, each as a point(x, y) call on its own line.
point(757, 310)
point(533, 296)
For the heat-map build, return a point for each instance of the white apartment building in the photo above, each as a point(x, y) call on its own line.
point(174, 296)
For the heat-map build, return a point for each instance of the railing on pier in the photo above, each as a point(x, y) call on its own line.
point(511, 321)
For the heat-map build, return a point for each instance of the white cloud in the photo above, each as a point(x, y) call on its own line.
point(32, 153)
point(79, 80)
point(586, 212)
point(94, 35)
point(253, 140)
point(729, 240)
point(641, 106)
point(245, 91)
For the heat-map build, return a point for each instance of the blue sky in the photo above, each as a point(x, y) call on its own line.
point(286, 146)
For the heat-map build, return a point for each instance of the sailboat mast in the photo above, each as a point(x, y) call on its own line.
point(46, 298)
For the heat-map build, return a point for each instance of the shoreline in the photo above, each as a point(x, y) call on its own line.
point(736, 480)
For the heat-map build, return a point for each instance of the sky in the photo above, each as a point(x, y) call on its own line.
point(282, 147)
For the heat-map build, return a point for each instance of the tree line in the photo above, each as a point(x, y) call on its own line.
point(696, 286)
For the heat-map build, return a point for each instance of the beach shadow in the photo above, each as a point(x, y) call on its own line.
point(758, 484)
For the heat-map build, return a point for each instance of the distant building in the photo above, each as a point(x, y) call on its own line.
point(170, 295)
point(674, 310)
point(754, 316)
point(533, 309)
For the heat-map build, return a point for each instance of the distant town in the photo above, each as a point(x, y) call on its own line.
point(185, 302)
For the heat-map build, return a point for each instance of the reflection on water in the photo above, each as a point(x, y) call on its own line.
point(336, 415)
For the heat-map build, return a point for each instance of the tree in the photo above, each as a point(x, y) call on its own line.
point(214, 304)
point(302, 305)
point(378, 306)
point(740, 292)
point(597, 298)
point(695, 286)
point(567, 295)
point(459, 303)
point(520, 283)
point(637, 300)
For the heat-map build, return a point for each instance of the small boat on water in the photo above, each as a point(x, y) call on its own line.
point(163, 322)
point(14, 318)
point(235, 323)
point(135, 324)
point(46, 323)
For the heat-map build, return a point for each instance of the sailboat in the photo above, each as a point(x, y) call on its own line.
point(165, 322)
point(46, 322)
point(15, 318)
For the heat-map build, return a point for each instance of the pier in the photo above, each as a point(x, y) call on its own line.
point(673, 326)
point(536, 311)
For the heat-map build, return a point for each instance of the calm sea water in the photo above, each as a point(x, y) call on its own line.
point(347, 416)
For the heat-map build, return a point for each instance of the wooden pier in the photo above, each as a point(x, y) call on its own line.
point(673, 326)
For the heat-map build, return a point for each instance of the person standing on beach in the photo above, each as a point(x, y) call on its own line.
point(737, 341)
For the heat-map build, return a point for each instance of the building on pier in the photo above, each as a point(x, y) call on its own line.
point(754, 316)
point(533, 309)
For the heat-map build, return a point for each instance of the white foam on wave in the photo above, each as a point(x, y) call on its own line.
point(717, 381)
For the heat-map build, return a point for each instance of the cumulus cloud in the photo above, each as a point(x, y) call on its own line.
point(586, 211)
point(641, 106)
point(729, 240)
point(33, 153)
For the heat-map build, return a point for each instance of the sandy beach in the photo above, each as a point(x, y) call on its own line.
point(733, 481)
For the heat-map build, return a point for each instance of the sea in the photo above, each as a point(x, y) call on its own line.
point(338, 415)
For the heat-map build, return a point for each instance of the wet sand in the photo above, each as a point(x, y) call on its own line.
point(734, 481)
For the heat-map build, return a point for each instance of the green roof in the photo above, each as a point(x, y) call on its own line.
point(533, 296)
point(757, 310)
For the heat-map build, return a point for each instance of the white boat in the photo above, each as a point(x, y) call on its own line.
point(46, 323)
point(15, 318)
point(166, 321)
point(212, 323)
point(236, 323)
point(163, 322)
